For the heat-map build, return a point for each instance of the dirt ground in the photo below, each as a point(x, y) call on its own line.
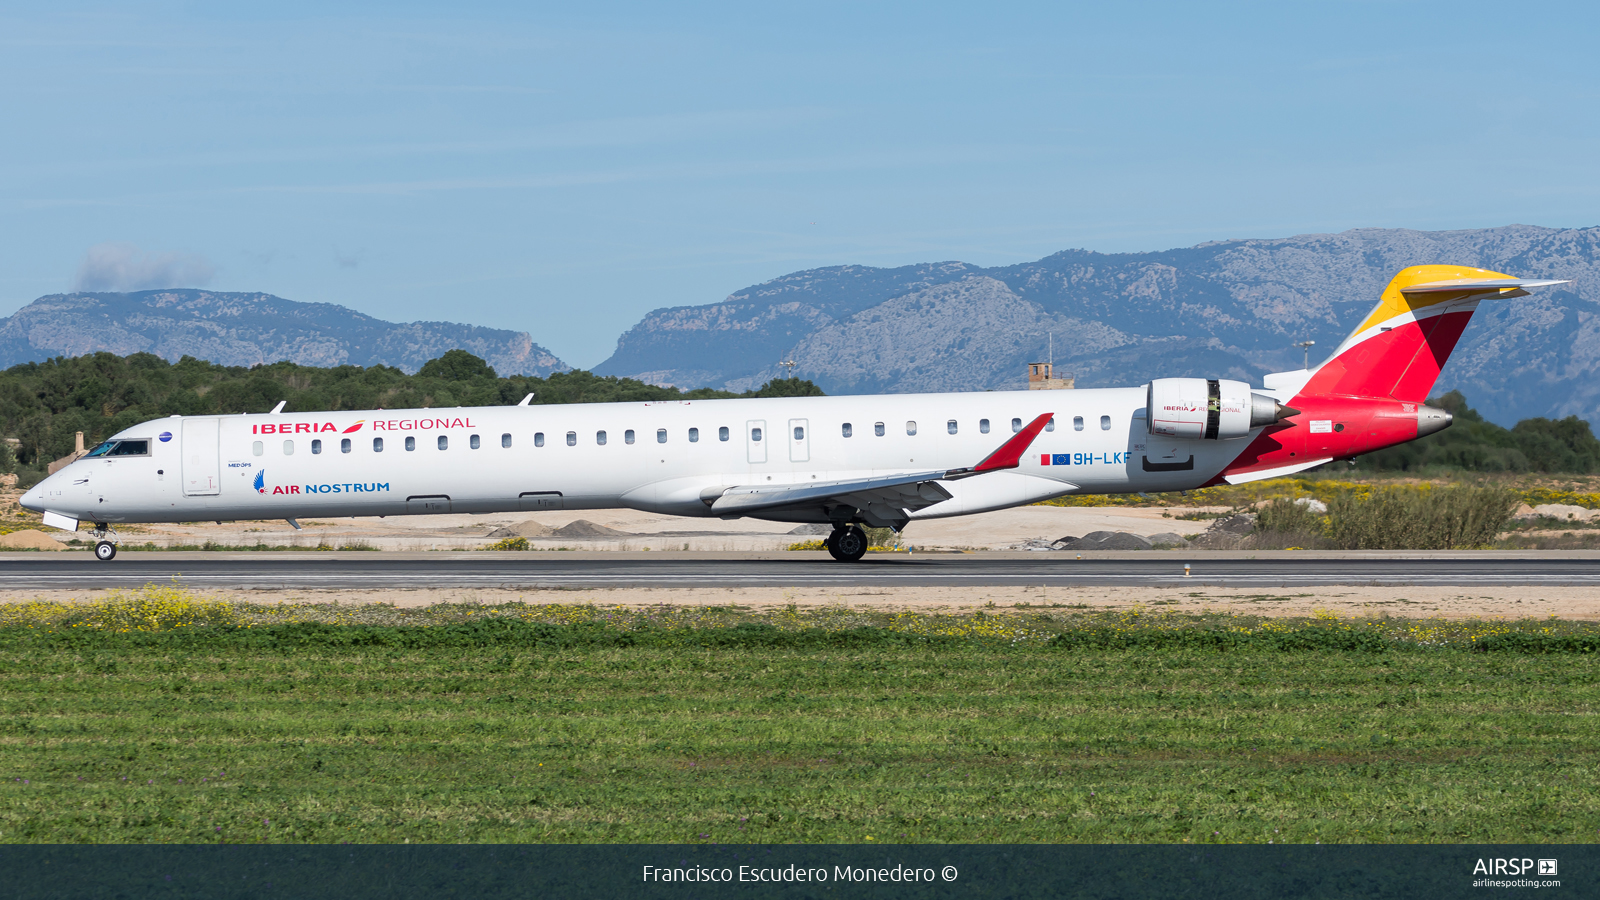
point(1345, 601)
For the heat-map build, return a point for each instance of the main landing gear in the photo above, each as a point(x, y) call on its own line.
point(105, 547)
point(847, 544)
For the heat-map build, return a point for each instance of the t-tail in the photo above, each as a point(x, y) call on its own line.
point(1369, 393)
point(1398, 350)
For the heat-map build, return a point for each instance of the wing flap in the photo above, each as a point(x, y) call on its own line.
point(916, 490)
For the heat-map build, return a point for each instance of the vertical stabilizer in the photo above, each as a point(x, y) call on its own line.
point(1398, 350)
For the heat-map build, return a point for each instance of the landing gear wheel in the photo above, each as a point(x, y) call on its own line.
point(832, 543)
point(105, 550)
point(848, 544)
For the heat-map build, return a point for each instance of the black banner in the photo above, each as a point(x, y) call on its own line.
point(350, 872)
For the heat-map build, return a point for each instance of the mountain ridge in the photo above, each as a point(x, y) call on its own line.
point(250, 328)
point(1232, 308)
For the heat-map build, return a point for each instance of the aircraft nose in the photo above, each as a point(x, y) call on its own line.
point(34, 498)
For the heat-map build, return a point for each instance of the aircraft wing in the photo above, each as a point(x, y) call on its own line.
point(884, 497)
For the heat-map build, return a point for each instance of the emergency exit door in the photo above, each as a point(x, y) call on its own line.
point(799, 440)
point(756, 441)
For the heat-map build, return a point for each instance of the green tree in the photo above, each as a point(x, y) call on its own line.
point(787, 387)
point(457, 365)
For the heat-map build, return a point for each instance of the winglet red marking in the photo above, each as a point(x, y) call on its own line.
point(1009, 456)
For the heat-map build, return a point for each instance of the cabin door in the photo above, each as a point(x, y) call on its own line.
point(202, 457)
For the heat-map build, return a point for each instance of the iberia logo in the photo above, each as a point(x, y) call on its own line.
point(261, 481)
point(301, 427)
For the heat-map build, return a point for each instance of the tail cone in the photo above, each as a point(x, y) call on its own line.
point(1431, 419)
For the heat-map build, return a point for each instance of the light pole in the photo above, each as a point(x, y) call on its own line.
point(1306, 346)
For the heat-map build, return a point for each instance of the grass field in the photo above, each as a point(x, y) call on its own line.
point(494, 725)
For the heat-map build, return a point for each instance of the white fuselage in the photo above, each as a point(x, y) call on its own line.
point(552, 457)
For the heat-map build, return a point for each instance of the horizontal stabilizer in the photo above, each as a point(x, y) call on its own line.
point(1474, 285)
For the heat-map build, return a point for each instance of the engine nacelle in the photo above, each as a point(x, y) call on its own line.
point(1208, 409)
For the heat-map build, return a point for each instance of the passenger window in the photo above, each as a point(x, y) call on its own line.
point(755, 434)
point(411, 443)
point(983, 426)
point(1077, 423)
point(1016, 425)
point(950, 426)
point(344, 446)
point(627, 436)
point(538, 439)
point(257, 448)
point(572, 439)
point(1105, 423)
point(911, 428)
point(694, 435)
point(288, 448)
point(444, 442)
point(877, 428)
point(600, 438)
point(722, 433)
point(505, 440)
point(799, 433)
point(661, 435)
point(377, 445)
point(316, 447)
point(845, 429)
point(1050, 425)
point(475, 444)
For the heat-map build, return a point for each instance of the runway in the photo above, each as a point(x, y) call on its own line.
point(368, 571)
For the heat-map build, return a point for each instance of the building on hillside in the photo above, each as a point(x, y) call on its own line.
point(1041, 377)
point(77, 452)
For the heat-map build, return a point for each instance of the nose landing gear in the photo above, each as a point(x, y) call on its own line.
point(105, 547)
point(847, 544)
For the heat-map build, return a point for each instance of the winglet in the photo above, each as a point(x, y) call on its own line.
point(1009, 456)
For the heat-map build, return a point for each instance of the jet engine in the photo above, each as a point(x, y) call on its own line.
point(1208, 409)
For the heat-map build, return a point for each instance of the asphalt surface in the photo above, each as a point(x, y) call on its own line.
point(365, 571)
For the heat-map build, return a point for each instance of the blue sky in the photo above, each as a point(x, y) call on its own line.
point(565, 168)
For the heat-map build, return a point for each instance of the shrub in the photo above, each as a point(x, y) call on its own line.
point(510, 543)
point(1422, 518)
point(1284, 523)
point(881, 537)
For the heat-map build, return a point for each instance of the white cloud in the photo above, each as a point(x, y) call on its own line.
point(119, 266)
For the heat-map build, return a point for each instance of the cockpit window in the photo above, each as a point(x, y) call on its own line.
point(121, 448)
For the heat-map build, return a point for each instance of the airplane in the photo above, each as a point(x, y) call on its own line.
point(848, 461)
